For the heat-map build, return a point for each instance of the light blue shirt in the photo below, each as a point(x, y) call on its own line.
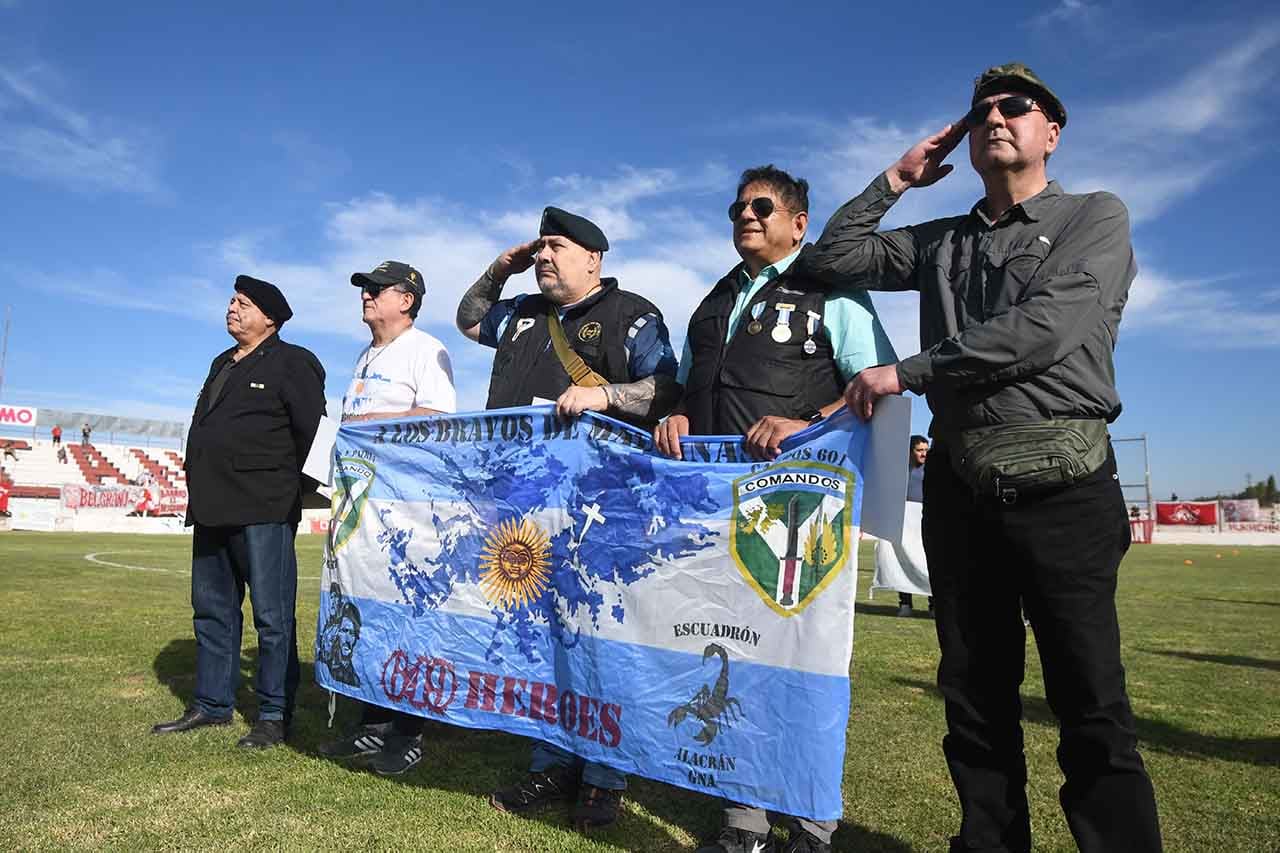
point(849, 318)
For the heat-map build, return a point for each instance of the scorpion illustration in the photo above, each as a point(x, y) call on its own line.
point(713, 705)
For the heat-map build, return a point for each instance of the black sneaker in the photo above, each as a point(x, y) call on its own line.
point(733, 840)
point(595, 807)
point(400, 755)
point(264, 734)
point(803, 842)
point(536, 790)
point(365, 740)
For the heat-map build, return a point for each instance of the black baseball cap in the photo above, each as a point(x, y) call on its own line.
point(392, 272)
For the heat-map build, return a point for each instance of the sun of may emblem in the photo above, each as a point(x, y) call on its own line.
point(514, 563)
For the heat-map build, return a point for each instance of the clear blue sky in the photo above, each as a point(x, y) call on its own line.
point(149, 152)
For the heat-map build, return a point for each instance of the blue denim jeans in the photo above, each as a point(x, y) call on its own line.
point(546, 756)
point(223, 561)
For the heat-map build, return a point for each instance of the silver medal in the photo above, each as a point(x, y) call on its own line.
point(810, 347)
point(781, 334)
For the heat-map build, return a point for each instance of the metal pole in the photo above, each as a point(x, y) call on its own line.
point(1146, 465)
point(4, 350)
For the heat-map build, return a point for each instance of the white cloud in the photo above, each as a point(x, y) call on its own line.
point(42, 138)
point(1067, 12)
point(1202, 314)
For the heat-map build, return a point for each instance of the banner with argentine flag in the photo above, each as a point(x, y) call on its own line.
point(686, 620)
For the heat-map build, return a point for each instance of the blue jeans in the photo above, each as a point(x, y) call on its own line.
point(223, 561)
point(547, 756)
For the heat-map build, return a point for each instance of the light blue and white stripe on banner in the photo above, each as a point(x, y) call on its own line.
point(686, 620)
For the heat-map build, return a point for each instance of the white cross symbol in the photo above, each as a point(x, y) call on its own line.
point(593, 514)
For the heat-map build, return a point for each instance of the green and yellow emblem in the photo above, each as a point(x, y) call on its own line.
point(352, 478)
point(790, 531)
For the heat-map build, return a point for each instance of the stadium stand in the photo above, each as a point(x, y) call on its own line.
point(37, 466)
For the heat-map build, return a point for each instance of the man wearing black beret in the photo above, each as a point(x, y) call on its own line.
point(588, 345)
point(252, 427)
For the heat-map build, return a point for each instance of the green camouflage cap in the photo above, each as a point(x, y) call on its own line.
point(1016, 77)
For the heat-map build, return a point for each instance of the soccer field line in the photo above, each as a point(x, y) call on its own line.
point(96, 555)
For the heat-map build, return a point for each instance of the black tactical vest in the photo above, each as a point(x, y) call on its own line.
point(525, 365)
point(758, 372)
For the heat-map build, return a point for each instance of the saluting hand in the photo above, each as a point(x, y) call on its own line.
point(515, 260)
point(578, 399)
point(666, 435)
point(922, 165)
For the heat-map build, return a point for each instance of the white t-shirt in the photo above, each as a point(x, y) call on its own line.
point(411, 372)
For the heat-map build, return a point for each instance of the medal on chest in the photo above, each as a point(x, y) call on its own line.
point(755, 326)
point(811, 328)
point(782, 331)
point(522, 325)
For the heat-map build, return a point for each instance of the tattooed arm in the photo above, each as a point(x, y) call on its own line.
point(651, 398)
point(482, 295)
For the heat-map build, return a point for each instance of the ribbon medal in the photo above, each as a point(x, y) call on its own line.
point(521, 325)
point(754, 327)
point(811, 328)
point(782, 331)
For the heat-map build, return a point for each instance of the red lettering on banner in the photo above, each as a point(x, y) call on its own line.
point(20, 415)
point(486, 682)
point(542, 702)
point(610, 724)
point(512, 689)
point(586, 718)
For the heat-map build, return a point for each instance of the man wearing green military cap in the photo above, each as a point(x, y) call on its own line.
point(1020, 303)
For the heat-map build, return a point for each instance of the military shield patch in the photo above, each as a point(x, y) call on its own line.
point(352, 479)
point(790, 531)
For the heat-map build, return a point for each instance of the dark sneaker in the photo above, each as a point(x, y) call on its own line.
point(264, 734)
point(365, 740)
point(536, 790)
point(732, 840)
point(399, 756)
point(595, 807)
point(803, 842)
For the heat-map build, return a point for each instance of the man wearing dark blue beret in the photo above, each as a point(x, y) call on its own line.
point(252, 427)
point(588, 345)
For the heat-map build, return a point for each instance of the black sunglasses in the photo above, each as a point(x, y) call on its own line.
point(374, 290)
point(1010, 107)
point(762, 207)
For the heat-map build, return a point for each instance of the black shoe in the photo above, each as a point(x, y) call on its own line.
point(904, 610)
point(398, 756)
point(595, 807)
point(536, 790)
point(192, 718)
point(264, 734)
point(803, 842)
point(365, 740)
point(733, 840)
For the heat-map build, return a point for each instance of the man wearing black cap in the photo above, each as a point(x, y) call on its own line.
point(768, 352)
point(252, 427)
point(404, 372)
point(588, 345)
point(1020, 305)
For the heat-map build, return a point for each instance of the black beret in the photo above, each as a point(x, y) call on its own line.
point(579, 229)
point(266, 296)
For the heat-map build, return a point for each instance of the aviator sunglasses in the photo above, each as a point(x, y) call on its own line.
point(1010, 107)
point(762, 207)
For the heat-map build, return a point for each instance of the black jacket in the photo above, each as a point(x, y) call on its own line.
point(246, 448)
point(732, 385)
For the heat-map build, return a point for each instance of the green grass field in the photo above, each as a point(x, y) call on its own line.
point(94, 653)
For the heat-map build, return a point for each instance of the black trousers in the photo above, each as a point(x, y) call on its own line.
point(1056, 555)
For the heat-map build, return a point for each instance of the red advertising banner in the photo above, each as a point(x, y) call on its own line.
point(135, 500)
point(1187, 513)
